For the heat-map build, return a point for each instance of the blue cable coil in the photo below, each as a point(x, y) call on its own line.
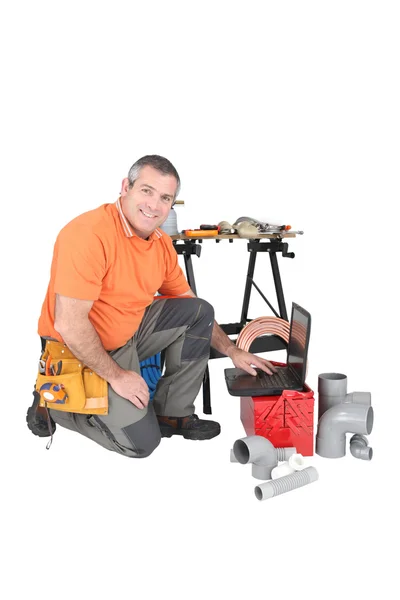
point(150, 370)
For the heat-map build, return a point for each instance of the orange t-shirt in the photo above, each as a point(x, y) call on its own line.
point(98, 257)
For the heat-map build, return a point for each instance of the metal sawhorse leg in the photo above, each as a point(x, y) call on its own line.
point(273, 247)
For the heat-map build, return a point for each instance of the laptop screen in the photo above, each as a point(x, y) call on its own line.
point(298, 341)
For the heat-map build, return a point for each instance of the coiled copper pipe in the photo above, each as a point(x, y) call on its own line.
point(262, 326)
point(270, 326)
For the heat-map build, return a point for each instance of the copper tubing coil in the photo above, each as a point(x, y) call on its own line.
point(299, 333)
point(270, 325)
point(262, 326)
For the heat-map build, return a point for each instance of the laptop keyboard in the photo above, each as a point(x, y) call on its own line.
point(281, 379)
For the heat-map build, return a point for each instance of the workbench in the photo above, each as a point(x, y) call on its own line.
point(273, 244)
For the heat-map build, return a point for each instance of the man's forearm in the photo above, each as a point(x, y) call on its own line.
point(84, 343)
point(220, 341)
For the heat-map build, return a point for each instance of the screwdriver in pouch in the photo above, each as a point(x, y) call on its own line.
point(57, 371)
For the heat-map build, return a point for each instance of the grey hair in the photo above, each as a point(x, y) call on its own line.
point(157, 162)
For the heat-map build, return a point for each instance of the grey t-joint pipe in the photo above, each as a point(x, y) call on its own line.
point(332, 390)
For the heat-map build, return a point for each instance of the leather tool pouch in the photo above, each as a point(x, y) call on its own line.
point(86, 392)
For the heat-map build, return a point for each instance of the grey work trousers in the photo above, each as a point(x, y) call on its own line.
point(181, 326)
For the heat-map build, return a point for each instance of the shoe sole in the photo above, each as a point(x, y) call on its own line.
point(190, 435)
point(40, 429)
point(36, 423)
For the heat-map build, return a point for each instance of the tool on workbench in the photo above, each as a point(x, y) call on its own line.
point(262, 226)
point(200, 232)
point(210, 227)
point(249, 227)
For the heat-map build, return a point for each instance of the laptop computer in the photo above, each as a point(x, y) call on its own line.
point(290, 377)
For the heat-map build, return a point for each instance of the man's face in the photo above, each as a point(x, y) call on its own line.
point(147, 203)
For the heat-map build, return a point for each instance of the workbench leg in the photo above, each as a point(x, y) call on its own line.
point(189, 272)
point(206, 378)
point(206, 393)
point(247, 289)
point(278, 285)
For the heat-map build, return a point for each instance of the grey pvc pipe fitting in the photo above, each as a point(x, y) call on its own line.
point(359, 398)
point(295, 463)
point(233, 457)
point(269, 489)
point(284, 454)
point(359, 447)
point(261, 453)
point(336, 422)
point(332, 390)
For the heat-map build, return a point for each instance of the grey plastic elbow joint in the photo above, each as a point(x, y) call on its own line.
point(359, 447)
point(262, 455)
point(339, 420)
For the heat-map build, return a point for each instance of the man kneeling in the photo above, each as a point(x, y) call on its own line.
point(107, 266)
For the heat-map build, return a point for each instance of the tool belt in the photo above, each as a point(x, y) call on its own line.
point(66, 384)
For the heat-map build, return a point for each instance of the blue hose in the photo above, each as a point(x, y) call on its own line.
point(151, 372)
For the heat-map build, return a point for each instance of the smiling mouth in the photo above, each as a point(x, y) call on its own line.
point(148, 215)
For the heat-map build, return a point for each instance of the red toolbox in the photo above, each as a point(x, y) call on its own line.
point(286, 420)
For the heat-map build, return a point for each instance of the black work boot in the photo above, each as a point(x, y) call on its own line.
point(38, 419)
point(192, 428)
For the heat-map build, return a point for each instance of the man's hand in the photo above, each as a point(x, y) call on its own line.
point(243, 360)
point(132, 386)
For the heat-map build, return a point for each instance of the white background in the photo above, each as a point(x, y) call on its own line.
point(277, 110)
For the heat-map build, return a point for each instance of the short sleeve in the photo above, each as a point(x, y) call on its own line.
point(81, 263)
point(175, 282)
